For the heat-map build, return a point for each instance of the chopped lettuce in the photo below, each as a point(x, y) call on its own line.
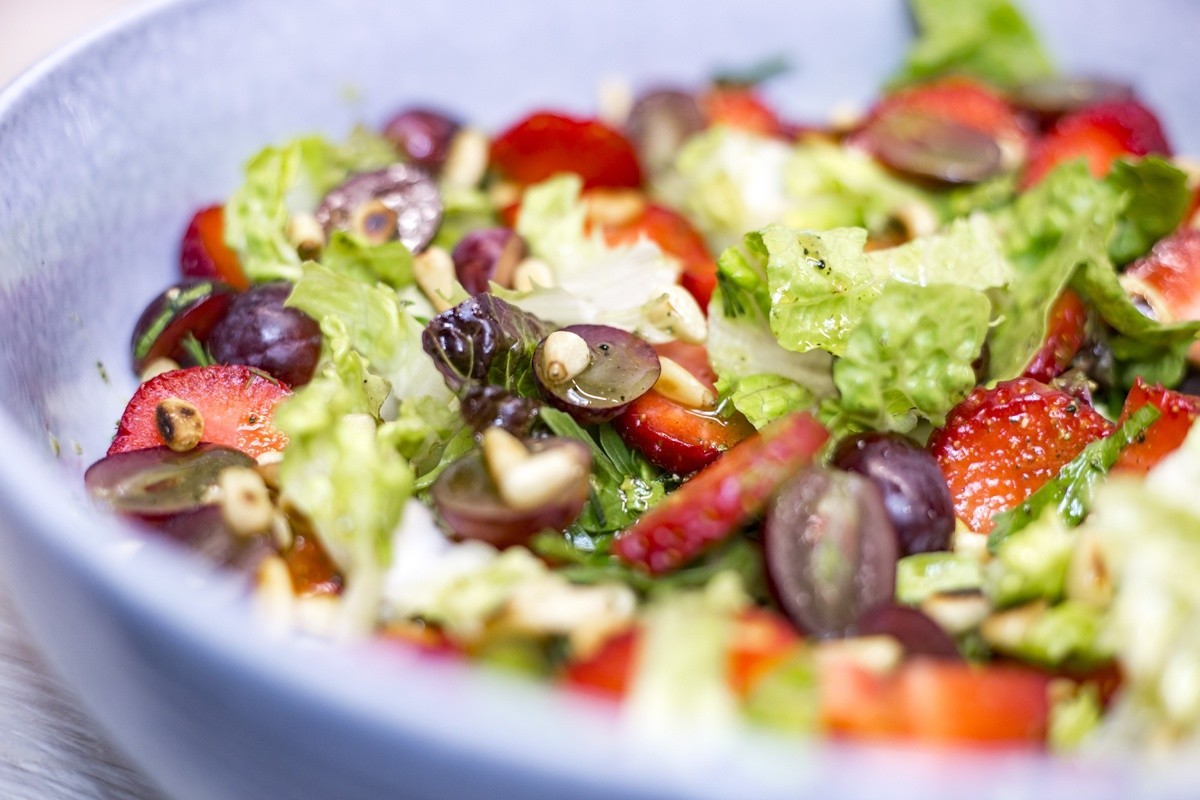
point(987, 39)
point(1067, 633)
point(730, 181)
point(389, 262)
point(761, 398)
point(594, 283)
point(1031, 564)
point(911, 357)
point(1156, 197)
point(822, 284)
point(282, 180)
point(922, 575)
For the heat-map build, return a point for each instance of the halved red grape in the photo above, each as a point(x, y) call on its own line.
point(917, 633)
point(485, 256)
point(158, 481)
point(205, 531)
point(406, 191)
point(621, 367)
point(422, 136)
point(830, 550)
point(469, 502)
point(914, 491)
point(932, 148)
point(189, 307)
point(659, 122)
point(260, 331)
point(1050, 98)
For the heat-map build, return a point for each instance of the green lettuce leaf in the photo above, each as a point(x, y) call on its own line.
point(911, 357)
point(987, 39)
point(1155, 198)
point(285, 179)
point(762, 398)
point(389, 262)
point(1031, 564)
point(822, 284)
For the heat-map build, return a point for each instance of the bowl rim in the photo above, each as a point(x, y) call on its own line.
point(215, 617)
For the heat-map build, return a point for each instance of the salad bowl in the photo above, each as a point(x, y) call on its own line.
point(105, 150)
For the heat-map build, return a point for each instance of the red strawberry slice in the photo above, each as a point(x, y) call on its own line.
point(1167, 280)
point(545, 144)
point(235, 402)
point(203, 252)
point(1178, 412)
point(740, 107)
point(672, 436)
point(721, 498)
point(1100, 135)
point(1001, 445)
point(1065, 334)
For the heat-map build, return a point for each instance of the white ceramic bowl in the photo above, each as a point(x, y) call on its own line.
point(105, 150)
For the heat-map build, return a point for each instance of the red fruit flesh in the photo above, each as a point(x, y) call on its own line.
point(1065, 334)
point(1100, 135)
point(235, 402)
point(609, 671)
point(740, 107)
point(1000, 445)
point(1178, 412)
point(1167, 279)
point(721, 498)
point(545, 144)
point(203, 252)
point(191, 307)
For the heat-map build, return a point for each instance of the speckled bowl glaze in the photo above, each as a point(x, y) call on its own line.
point(106, 149)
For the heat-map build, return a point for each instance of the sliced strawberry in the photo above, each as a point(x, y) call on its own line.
point(1000, 445)
point(203, 252)
point(963, 100)
point(609, 671)
point(235, 402)
point(672, 436)
point(1178, 412)
point(721, 498)
point(1065, 334)
point(1099, 134)
point(545, 144)
point(676, 236)
point(1167, 280)
point(740, 107)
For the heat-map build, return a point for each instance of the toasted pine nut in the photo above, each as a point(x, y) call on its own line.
point(246, 504)
point(157, 367)
point(502, 452)
point(374, 221)
point(878, 654)
point(614, 206)
point(956, 612)
point(676, 383)
point(467, 159)
point(615, 100)
point(1005, 630)
point(564, 355)
point(540, 478)
point(531, 273)
point(917, 218)
point(434, 272)
point(179, 424)
point(306, 235)
point(676, 313)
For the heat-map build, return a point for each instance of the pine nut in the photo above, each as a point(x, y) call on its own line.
point(306, 235)
point(614, 206)
point(434, 272)
point(466, 160)
point(179, 424)
point(676, 383)
point(246, 504)
point(374, 221)
point(502, 452)
point(157, 367)
point(530, 273)
point(540, 479)
point(564, 356)
point(676, 313)
point(956, 612)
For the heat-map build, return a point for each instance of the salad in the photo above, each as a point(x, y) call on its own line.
point(876, 427)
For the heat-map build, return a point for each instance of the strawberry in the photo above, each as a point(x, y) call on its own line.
point(1167, 280)
point(609, 670)
point(1000, 445)
point(721, 498)
point(203, 252)
point(235, 402)
point(1100, 134)
point(1065, 334)
point(964, 101)
point(671, 435)
point(1178, 412)
point(545, 144)
point(740, 107)
point(676, 237)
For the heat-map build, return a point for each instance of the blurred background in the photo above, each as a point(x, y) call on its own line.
point(30, 29)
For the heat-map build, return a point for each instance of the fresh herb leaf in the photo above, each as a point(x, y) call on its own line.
point(197, 351)
point(754, 74)
point(1069, 492)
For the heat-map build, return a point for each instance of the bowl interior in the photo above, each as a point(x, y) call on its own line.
point(107, 148)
